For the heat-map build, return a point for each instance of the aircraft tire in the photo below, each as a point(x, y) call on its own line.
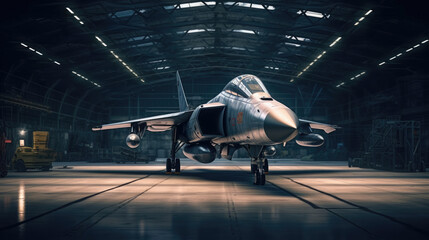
point(257, 178)
point(168, 166)
point(253, 168)
point(262, 179)
point(177, 167)
point(266, 166)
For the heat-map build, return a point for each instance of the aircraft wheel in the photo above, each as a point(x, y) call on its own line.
point(168, 166)
point(253, 168)
point(20, 166)
point(177, 167)
point(256, 178)
point(262, 179)
point(266, 166)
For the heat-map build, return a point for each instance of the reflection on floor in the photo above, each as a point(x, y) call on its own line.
point(301, 200)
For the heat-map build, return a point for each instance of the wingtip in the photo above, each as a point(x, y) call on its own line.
point(98, 128)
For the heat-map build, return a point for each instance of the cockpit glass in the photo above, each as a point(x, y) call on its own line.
point(245, 86)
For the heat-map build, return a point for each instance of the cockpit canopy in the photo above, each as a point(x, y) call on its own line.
point(245, 86)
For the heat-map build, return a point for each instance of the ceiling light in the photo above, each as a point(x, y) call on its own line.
point(425, 41)
point(243, 31)
point(68, 9)
point(81, 22)
point(24, 45)
point(312, 14)
point(369, 12)
point(416, 46)
point(356, 23)
point(77, 18)
point(392, 58)
point(409, 49)
point(293, 44)
point(334, 42)
point(382, 63)
point(39, 53)
point(360, 19)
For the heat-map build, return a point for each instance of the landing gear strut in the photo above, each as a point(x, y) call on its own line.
point(173, 162)
point(259, 164)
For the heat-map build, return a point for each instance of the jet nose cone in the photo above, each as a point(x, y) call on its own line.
point(281, 125)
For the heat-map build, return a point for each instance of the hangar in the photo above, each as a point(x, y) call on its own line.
point(69, 66)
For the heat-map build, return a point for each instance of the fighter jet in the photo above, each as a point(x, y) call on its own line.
point(243, 115)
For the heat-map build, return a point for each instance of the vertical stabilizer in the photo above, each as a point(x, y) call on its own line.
point(183, 104)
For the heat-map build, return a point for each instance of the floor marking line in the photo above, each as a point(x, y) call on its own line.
point(72, 233)
point(313, 205)
point(352, 223)
point(421, 231)
point(69, 204)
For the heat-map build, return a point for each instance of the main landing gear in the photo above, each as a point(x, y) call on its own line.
point(259, 168)
point(173, 162)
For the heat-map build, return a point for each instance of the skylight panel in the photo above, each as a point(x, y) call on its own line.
point(196, 30)
point(125, 13)
point(293, 44)
point(243, 31)
point(301, 39)
point(250, 5)
point(145, 44)
point(190, 5)
point(312, 14)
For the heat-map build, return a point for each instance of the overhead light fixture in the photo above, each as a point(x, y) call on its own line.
point(362, 18)
point(243, 31)
point(293, 44)
point(85, 78)
point(292, 80)
point(382, 63)
point(250, 5)
point(22, 132)
point(101, 41)
point(24, 45)
point(334, 42)
point(425, 41)
point(74, 15)
point(312, 14)
point(68, 9)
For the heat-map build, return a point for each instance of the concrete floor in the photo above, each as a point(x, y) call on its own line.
point(301, 200)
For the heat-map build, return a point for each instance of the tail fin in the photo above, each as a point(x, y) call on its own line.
point(183, 104)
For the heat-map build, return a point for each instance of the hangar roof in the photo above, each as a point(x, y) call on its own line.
point(120, 48)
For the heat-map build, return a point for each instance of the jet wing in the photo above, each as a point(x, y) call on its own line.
point(154, 124)
point(328, 128)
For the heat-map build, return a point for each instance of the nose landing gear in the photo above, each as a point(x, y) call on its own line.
point(259, 168)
